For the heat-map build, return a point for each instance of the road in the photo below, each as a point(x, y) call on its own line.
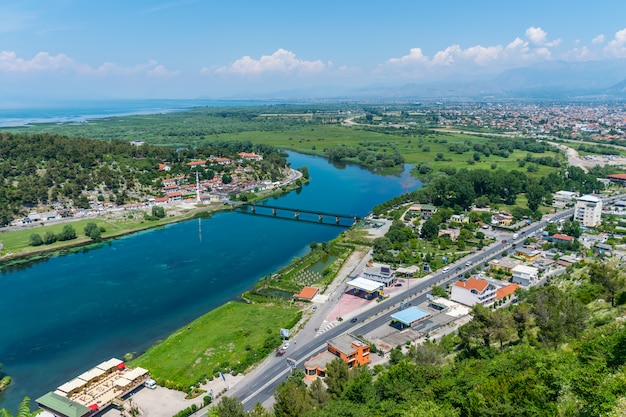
point(262, 382)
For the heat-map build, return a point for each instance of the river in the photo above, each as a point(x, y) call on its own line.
point(62, 316)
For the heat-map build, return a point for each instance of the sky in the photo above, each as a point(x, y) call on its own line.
point(66, 49)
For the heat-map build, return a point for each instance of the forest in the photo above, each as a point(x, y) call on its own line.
point(54, 170)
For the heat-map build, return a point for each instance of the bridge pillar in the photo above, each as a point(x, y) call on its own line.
point(253, 209)
point(355, 220)
point(336, 219)
point(274, 212)
point(320, 218)
point(296, 215)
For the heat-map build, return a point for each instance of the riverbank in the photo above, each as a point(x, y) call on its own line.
point(16, 247)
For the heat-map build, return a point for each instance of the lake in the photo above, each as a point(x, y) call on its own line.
point(68, 313)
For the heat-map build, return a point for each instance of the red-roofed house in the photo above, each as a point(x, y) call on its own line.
point(561, 238)
point(175, 196)
point(197, 163)
point(617, 178)
point(506, 291)
point(307, 293)
point(473, 291)
point(250, 155)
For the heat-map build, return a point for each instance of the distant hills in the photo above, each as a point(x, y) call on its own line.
point(557, 80)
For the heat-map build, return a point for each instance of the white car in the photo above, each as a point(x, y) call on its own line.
point(285, 346)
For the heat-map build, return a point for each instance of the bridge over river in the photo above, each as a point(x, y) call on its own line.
point(307, 215)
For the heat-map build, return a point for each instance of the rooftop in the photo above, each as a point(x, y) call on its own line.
point(410, 315)
point(472, 284)
point(344, 343)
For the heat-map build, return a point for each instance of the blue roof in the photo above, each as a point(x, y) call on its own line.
point(410, 315)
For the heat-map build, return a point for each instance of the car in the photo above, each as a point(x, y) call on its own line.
point(468, 263)
point(503, 240)
point(314, 308)
point(150, 383)
point(458, 268)
point(286, 346)
point(445, 269)
point(280, 352)
point(354, 320)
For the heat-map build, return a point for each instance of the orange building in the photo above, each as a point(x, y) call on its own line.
point(350, 349)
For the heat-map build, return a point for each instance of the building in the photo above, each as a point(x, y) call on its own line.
point(351, 350)
point(504, 264)
point(459, 218)
point(617, 178)
point(529, 255)
point(410, 316)
point(425, 210)
point(507, 290)
point(502, 219)
point(380, 273)
point(93, 390)
point(307, 293)
point(525, 275)
point(452, 234)
point(562, 199)
point(588, 210)
point(561, 238)
point(473, 291)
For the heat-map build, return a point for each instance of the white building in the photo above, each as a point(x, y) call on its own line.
point(561, 199)
point(525, 275)
point(380, 273)
point(588, 210)
point(473, 291)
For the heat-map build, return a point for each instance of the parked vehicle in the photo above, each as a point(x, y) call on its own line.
point(150, 383)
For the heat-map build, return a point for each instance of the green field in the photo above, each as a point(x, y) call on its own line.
point(232, 336)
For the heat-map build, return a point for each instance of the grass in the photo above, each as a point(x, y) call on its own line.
point(219, 340)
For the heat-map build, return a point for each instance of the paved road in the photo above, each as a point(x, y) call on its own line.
point(262, 382)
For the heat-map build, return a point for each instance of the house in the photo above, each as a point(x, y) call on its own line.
point(251, 156)
point(306, 293)
point(451, 234)
point(529, 255)
point(525, 275)
point(588, 211)
point(502, 219)
point(164, 167)
point(473, 291)
point(504, 264)
point(351, 350)
point(561, 199)
point(617, 178)
point(459, 218)
point(194, 164)
point(425, 210)
point(174, 196)
point(507, 290)
point(380, 273)
point(561, 238)
point(603, 249)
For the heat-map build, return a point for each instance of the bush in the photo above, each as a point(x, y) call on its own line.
point(35, 240)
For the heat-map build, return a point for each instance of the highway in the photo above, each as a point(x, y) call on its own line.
point(259, 386)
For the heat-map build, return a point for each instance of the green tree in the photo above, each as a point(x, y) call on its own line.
point(292, 399)
point(318, 393)
point(49, 238)
point(23, 410)
point(609, 276)
point(158, 212)
point(35, 240)
point(230, 407)
point(260, 411)
point(68, 233)
point(337, 376)
point(430, 229)
point(439, 291)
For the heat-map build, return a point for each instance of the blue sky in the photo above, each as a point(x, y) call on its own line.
point(203, 48)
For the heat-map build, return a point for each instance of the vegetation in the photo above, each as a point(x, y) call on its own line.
point(229, 338)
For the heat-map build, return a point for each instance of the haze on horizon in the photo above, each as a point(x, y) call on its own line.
point(69, 49)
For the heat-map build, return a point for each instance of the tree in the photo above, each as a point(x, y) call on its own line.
point(534, 194)
point(49, 238)
point(292, 399)
point(68, 233)
point(337, 375)
point(609, 276)
point(93, 231)
point(230, 407)
point(558, 315)
point(23, 410)
point(439, 291)
point(318, 393)
point(552, 229)
point(501, 324)
point(430, 229)
point(260, 411)
point(35, 240)
point(158, 212)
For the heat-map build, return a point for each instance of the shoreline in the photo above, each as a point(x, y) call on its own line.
point(81, 241)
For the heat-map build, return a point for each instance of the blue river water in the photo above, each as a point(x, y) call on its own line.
point(66, 314)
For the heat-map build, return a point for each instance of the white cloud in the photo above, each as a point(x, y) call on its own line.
point(415, 55)
point(43, 62)
point(598, 40)
point(539, 37)
point(616, 48)
point(281, 61)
